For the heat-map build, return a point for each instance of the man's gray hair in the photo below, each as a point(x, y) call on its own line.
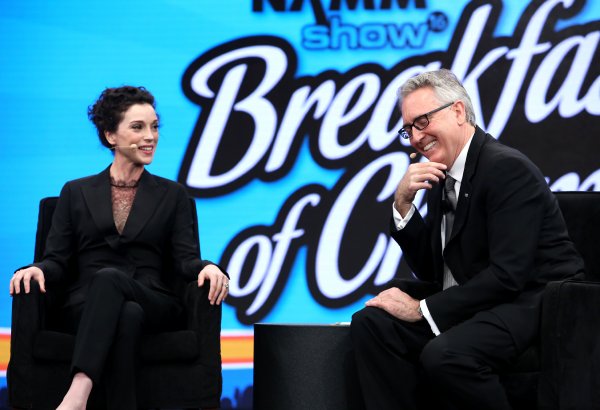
point(446, 87)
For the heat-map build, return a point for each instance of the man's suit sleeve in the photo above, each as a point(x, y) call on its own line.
point(415, 241)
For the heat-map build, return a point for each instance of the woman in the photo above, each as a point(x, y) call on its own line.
point(120, 226)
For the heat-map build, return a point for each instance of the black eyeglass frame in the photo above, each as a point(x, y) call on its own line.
point(403, 133)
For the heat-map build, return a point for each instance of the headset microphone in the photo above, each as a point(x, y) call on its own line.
point(132, 146)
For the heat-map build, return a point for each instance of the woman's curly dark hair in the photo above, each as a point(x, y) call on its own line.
point(107, 112)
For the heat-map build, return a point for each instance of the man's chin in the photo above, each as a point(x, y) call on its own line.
point(436, 156)
point(431, 156)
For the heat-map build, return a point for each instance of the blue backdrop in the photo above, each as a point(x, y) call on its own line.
point(280, 118)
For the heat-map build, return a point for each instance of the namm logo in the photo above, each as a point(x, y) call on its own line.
point(329, 32)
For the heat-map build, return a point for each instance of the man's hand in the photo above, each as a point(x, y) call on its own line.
point(219, 283)
point(25, 276)
point(398, 304)
point(418, 176)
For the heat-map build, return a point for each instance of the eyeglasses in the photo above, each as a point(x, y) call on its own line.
point(420, 123)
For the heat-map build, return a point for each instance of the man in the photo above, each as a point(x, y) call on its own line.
point(492, 238)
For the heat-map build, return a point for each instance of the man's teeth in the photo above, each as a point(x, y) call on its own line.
point(429, 146)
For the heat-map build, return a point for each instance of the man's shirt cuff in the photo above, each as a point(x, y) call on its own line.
point(400, 222)
point(428, 317)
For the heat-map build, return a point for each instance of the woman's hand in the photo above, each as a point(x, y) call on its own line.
point(25, 276)
point(219, 283)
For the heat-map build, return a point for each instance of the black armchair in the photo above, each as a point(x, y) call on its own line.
point(179, 368)
point(570, 342)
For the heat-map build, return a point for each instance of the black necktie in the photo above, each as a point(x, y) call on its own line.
point(450, 205)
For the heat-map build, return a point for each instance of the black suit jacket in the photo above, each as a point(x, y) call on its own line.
point(157, 240)
point(508, 240)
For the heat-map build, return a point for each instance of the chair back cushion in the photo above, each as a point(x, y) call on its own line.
point(47, 207)
point(581, 211)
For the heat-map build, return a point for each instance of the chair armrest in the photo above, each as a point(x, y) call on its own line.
point(27, 320)
point(570, 336)
point(205, 320)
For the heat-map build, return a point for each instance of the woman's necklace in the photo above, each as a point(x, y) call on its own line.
point(122, 184)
